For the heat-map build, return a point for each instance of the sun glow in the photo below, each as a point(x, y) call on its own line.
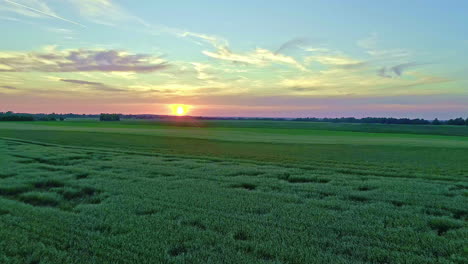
point(179, 109)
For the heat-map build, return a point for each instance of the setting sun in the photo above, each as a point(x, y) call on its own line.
point(179, 109)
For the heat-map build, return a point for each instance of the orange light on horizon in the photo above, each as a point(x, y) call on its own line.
point(180, 109)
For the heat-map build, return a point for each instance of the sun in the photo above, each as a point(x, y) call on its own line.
point(179, 109)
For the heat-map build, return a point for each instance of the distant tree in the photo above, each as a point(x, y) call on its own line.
point(50, 117)
point(466, 121)
point(10, 116)
point(456, 122)
point(436, 122)
point(109, 117)
point(62, 118)
point(368, 120)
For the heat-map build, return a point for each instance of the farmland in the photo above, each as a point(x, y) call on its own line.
point(232, 192)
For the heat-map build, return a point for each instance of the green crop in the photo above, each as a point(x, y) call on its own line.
point(71, 196)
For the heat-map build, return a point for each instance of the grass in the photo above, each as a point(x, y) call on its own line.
point(260, 124)
point(426, 158)
point(305, 134)
point(70, 196)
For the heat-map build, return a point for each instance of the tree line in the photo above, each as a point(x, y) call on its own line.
point(10, 116)
point(109, 117)
point(388, 120)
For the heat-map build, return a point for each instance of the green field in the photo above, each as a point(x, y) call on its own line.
point(232, 192)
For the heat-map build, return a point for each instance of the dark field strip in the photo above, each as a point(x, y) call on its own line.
point(62, 204)
point(318, 167)
point(290, 125)
point(447, 162)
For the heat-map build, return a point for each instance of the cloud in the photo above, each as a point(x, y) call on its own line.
point(10, 18)
point(338, 82)
point(8, 87)
point(426, 80)
point(370, 44)
point(80, 82)
point(305, 89)
point(204, 71)
point(109, 13)
point(389, 54)
point(293, 43)
point(383, 72)
point(320, 84)
point(29, 8)
point(34, 8)
point(80, 60)
point(259, 57)
point(385, 57)
point(397, 70)
point(94, 85)
point(319, 50)
point(336, 61)
point(215, 41)
point(63, 31)
point(104, 12)
point(208, 90)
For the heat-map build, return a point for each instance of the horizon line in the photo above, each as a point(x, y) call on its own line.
point(243, 117)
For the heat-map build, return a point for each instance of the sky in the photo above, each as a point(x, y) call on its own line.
point(299, 58)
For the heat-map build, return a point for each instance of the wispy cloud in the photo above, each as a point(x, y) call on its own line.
point(29, 8)
point(94, 85)
point(105, 12)
point(109, 13)
point(370, 44)
point(339, 81)
point(258, 57)
point(338, 61)
point(81, 60)
point(80, 82)
point(425, 80)
point(392, 63)
point(305, 89)
point(203, 71)
point(60, 30)
point(215, 41)
point(9, 87)
point(397, 70)
point(10, 18)
point(293, 43)
point(35, 9)
point(383, 72)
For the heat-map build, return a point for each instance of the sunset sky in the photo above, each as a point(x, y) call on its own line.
point(236, 58)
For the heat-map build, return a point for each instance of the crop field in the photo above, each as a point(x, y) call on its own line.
point(232, 192)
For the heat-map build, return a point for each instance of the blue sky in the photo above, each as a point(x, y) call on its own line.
point(249, 58)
